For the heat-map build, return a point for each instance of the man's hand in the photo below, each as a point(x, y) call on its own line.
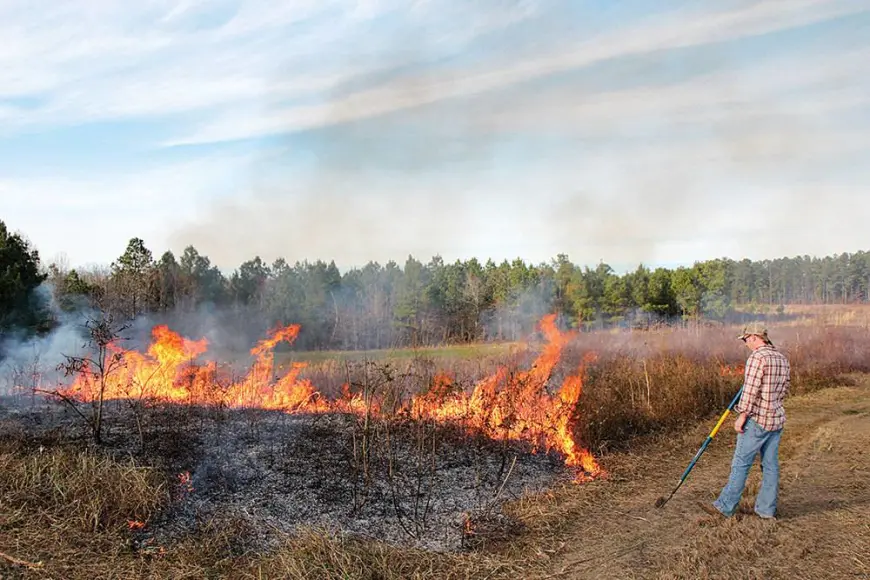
point(740, 422)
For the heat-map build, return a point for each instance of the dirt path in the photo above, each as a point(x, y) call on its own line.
point(823, 531)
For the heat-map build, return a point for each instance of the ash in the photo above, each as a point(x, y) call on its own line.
point(401, 481)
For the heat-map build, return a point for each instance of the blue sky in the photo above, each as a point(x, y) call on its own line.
point(634, 131)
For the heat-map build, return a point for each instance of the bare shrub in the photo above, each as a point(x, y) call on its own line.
point(94, 369)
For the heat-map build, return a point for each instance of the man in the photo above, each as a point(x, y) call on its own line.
point(759, 424)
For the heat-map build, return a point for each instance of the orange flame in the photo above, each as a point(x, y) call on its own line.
point(732, 371)
point(518, 406)
point(512, 405)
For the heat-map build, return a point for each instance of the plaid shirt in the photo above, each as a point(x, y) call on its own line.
point(765, 385)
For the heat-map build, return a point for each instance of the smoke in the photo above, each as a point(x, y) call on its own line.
point(380, 166)
point(27, 362)
point(229, 331)
point(30, 361)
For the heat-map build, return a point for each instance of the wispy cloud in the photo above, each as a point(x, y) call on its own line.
point(99, 60)
point(674, 30)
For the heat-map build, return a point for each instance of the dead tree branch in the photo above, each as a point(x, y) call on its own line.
point(17, 562)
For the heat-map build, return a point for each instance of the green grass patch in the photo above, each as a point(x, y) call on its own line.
point(457, 351)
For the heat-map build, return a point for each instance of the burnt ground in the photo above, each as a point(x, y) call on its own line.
point(612, 530)
point(407, 483)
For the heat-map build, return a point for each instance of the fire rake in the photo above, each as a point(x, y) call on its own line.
point(660, 502)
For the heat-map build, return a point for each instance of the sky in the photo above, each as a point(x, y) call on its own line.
point(640, 131)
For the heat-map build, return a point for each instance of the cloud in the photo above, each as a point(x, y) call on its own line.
point(97, 60)
point(675, 30)
point(824, 83)
point(91, 61)
point(656, 171)
point(670, 196)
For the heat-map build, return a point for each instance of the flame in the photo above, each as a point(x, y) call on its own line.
point(732, 370)
point(518, 406)
point(185, 485)
point(514, 405)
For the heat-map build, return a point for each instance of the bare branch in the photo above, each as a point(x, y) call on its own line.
point(18, 562)
point(68, 400)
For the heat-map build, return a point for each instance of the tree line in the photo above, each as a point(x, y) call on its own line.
point(417, 303)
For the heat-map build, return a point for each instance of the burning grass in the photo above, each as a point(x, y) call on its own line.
point(508, 404)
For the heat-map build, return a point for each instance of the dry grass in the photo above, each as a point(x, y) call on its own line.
point(315, 555)
point(83, 491)
point(648, 382)
point(817, 314)
point(612, 530)
point(65, 507)
point(65, 513)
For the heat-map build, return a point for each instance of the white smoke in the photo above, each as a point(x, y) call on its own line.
point(27, 362)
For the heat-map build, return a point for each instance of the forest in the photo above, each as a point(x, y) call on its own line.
point(417, 303)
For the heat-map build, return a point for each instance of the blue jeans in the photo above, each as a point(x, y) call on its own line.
point(752, 441)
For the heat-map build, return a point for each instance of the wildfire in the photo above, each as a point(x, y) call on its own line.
point(509, 405)
point(518, 407)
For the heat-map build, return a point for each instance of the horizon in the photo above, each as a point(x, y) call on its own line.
point(343, 269)
point(655, 133)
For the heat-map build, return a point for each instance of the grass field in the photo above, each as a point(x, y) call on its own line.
point(450, 352)
point(820, 314)
point(799, 315)
point(69, 509)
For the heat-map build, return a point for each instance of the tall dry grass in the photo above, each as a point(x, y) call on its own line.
point(652, 381)
point(64, 510)
point(640, 382)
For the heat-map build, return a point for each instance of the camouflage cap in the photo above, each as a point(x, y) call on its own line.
point(757, 329)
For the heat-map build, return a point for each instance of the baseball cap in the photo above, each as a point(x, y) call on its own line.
point(756, 328)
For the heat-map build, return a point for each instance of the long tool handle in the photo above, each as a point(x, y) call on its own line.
point(662, 501)
point(711, 435)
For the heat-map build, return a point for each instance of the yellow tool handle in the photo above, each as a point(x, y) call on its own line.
point(719, 424)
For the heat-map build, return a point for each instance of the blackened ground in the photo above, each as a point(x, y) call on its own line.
point(406, 482)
